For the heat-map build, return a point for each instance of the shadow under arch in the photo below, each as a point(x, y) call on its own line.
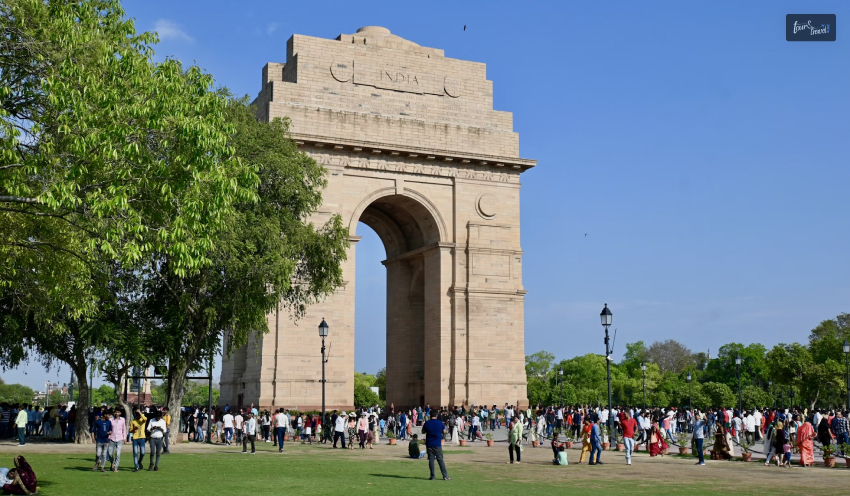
point(413, 234)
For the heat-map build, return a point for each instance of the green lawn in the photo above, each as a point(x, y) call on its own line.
point(311, 470)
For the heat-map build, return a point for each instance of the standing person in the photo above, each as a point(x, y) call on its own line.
point(238, 420)
point(100, 431)
point(352, 429)
point(699, 435)
point(167, 419)
point(202, 419)
point(228, 427)
point(137, 427)
point(840, 427)
point(805, 443)
point(434, 430)
point(362, 428)
point(657, 444)
point(515, 441)
point(249, 434)
point(629, 427)
point(281, 426)
point(585, 440)
point(267, 423)
point(21, 423)
point(156, 428)
point(117, 438)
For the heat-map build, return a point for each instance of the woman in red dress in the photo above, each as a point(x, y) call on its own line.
point(23, 478)
point(657, 444)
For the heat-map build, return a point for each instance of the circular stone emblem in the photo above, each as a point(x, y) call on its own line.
point(454, 87)
point(342, 71)
point(486, 206)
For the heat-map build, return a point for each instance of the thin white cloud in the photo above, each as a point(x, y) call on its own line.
point(169, 30)
point(271, 28)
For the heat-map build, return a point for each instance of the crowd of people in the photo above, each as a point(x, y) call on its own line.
point(22, 421)
point(783, 431)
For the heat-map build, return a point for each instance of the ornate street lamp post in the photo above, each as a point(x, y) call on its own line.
point(689, 391)
point(606, 323)
point(791, 394)
point(643, 368)
point(738, 366)
point(772, 397)
point(561, 381)
point(847, 372)
point(323, 333)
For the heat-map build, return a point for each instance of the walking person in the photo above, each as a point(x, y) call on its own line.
point(352, 429)
point(100, 431)
point(629, 427)
point(515, 441)
point(595, 443)
point(339, 429)
point(362, 428)
point(228, 428)
point(156, 428)
point(434, 430)
point(117, 438)
point(137, 428)
point(249, 428)
point(281, 426)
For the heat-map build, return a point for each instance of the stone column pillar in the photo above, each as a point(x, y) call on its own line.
point(438, 324)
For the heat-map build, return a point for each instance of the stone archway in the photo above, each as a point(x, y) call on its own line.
point(415, 151)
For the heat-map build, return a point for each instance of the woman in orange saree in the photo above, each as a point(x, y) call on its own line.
point(805, 437)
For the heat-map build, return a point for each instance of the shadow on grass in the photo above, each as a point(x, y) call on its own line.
point(391, 476)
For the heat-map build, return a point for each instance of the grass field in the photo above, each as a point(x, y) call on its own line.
point(308, 470)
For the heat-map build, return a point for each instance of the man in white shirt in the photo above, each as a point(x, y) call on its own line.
point(250, 428)
point(228, 427)
point(238, 420)
point(280, 424)
point(758, 417)
point(750, 428)
point(339, 430)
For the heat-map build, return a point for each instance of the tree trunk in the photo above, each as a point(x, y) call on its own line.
point(82, 436)
point(174, 400)
point(117, 388)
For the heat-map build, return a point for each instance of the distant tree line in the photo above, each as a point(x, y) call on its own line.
point(812, 373)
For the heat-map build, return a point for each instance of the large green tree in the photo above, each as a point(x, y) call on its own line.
point(103, 153)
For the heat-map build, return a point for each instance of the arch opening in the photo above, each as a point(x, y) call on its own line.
point(409, 231)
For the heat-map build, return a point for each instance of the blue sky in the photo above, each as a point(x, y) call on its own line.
point(705, 157)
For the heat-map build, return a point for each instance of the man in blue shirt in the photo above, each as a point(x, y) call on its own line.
point(433, 430)
point(100, 431)
point(595, 443)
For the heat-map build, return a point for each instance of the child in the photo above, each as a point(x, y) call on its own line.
point(559, 452)
point(786, 462)
point(382, 424)
point(413, 448)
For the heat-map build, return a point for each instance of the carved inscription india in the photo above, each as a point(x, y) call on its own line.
point(395, 78)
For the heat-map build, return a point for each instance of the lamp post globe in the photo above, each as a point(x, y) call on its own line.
point(606, 316)
point(323, 333)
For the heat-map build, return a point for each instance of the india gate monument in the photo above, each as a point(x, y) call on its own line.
point(413, 149)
